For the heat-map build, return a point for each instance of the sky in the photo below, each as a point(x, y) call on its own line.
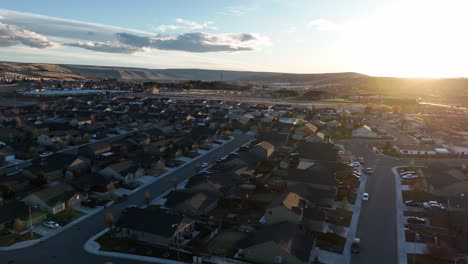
point(402, 38)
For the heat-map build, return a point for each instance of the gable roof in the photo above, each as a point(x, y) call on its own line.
point(55, 194)
point(189, 200)
point(99, 147)
point(154, 221)
point(265, 145)
point(286, 235)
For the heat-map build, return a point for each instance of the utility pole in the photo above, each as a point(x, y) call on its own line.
point(30, 222)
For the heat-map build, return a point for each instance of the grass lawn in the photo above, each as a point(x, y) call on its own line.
point(331, 242)
point(413, 213)
point(67, 216)
point(340, 212)
point(426, 259)
point(10, 239)
point(126, 246)
point(421, 196)
point(224, 243)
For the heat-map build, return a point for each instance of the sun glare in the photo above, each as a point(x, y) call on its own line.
point(413, 40)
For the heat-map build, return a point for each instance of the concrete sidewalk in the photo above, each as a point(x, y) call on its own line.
point(400, 219)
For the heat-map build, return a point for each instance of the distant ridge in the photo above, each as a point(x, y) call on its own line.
point(82, 72)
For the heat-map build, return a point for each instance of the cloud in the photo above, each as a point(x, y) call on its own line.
point(188, 25)
point(108, 47)
point(325, 25)
point(190, 42)
point(11, 35)
point(43, 32)
point(236, 10)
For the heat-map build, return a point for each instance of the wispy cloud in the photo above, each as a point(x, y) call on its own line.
point(235, 10)
point(187, 25)
point(325, 25)
point(11, 35)
point(39, 31)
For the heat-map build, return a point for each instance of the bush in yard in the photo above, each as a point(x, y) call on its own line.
point(18, 225)
point(109, 220)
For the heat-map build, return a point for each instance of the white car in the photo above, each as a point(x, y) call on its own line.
point(51, 224)
point(45, 154)
point(410, 177)
point(356, 164)
point(433, 204)
point(365, 196)
point(204, 165)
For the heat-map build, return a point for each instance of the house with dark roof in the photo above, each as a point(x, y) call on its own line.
point(155, 226)
point(318, 176)
point(318, 151)
point(94, 182)
point(192, 202)
point(295, 208)
point(55, 198)
point(444, 180)
point(92, 151)
point(125, 170)
point(283, 242)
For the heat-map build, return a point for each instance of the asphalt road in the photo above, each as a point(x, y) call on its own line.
point(67, 246)
point(377, 226)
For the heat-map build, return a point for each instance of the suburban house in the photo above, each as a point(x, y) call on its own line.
point(191, 202)
point(124, 170)
point(80, 121)
point(53, 137)
point(318, 176)
point(446, 181)
point(155, 226)
point(279, 243)
point(94, 182)
point(296, 209)
point(364, 132)
point(416, 150)
point(263, 150)
point(93, 151)
point(54, 199)
point(7, 153)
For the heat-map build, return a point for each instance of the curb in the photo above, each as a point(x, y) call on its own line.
point(401, 241)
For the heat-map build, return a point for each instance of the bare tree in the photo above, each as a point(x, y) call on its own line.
point(147, 198)
point(109, 222)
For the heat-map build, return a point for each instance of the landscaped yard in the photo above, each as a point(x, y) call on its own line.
point(330, 242)
point(10, 239)
point(224, 243)
point(66, 216)
point(340, 212)
point(126, 246)
point(426, 259)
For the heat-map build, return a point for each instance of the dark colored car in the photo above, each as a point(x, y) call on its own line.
point(413, 203)
point(416, 220)
point(121, 199)
point(356, 245)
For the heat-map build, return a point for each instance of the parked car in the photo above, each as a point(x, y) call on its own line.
point(369, 171)
point(365, 196)
point(433, 204)
point(410, 177)
point(356, 164)
point(45, 154)
point(121, 199)
point(413, 203)
point(350, 165)
point(204, 165)
point(206, 172)
point(51, 224)
point(356, 172)
point(361, 160)
point(407, 173)
point(415, 220)
point(356, 245)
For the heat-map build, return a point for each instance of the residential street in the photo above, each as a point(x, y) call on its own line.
point(67, 247)
point(377, 227)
